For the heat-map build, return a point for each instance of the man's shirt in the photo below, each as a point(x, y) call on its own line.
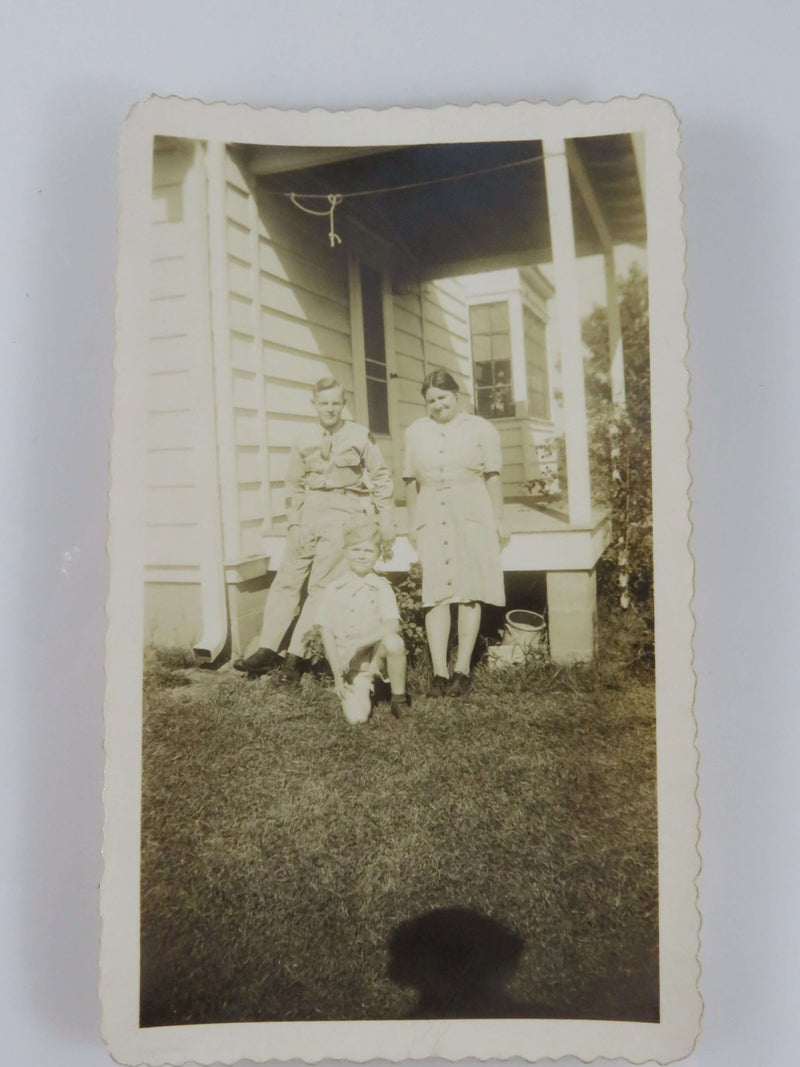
point(348, 460)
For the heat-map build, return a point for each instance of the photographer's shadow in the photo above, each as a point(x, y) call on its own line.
point(460, 962)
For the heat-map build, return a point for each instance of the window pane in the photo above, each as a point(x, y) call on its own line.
point(501, 346)
point(479, 321)
point(536, 366)
point(499, 317)
point(481, 348)
point(483, 402)
point(378, 404)
point(502, 403)
point(376, 370)
point(491, 354)
point(372, 304)
point(483, 375)
point(374, 349)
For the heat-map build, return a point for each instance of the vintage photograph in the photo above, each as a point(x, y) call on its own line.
point(399, 625)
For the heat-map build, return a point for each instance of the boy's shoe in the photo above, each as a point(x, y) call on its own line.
point(459, 684)
point(438, 687)
point(400, 705)
point(291, 671)
point(262, 661)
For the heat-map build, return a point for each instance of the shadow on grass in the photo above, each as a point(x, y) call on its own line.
point(459, 962)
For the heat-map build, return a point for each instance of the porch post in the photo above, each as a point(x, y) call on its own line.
point(572, 615)
point(562, 239)
point(518, 370)
point(616, 360)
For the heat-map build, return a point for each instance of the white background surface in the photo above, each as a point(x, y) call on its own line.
point(69, 74)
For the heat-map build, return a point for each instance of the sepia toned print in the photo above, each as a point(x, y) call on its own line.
point(399, 423)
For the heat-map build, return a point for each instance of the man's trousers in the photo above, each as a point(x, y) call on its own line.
point(314, 550)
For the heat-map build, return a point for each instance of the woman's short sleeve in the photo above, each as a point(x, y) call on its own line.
point(409, 463)
point(490, 446)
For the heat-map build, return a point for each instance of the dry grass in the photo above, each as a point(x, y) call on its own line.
point(282, 849)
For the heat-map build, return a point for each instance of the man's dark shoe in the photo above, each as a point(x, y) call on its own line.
point(438, 686)
point(459, 684)
point(292, 670)
point(262, 661)
point(400, 705)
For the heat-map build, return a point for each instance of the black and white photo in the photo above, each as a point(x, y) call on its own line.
point(399, 706)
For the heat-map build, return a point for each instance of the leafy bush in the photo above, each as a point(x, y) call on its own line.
point(620, 453)
point(408, 590)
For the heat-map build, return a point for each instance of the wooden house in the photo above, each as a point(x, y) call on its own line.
point(273, 266)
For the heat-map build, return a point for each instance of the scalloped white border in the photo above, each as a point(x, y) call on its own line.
point(678, 812)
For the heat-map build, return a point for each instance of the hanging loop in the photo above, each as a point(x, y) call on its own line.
point(334, 199)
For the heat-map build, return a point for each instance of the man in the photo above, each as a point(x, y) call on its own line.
point(335, 471)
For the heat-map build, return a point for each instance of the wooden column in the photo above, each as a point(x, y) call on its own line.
point(519, 374)
point(562, 238)
point(615, 356)
point(221, 342)
point(583, 184)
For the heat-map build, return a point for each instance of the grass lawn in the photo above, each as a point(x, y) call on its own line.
point(291, 863)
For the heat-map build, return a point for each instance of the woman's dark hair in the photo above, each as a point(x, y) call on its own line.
point(440, 379)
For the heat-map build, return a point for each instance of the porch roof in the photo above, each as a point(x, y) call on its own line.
point(441, 209)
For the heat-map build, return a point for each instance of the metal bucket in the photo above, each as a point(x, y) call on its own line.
point(525, 629)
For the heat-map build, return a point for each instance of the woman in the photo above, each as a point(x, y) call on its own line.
point(455, 517)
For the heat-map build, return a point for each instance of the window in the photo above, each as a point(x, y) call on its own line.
point(536, 365)
point(491, 358)
point(374, 350)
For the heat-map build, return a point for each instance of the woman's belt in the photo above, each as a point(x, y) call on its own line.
point(452, 482)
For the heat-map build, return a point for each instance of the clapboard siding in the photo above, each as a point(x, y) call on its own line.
point(305, 337)
point(447, 331)
point(286, 366)
point(289, 323)
point(283, 430)
point(171, 467)
point(168, 390)
point(172, 503)
point(441, 341)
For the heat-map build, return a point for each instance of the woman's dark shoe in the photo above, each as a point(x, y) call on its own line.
point(262, 661)
point(438, 686)
point(459, 684)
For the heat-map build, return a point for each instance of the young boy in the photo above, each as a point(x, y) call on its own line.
point(360, 626)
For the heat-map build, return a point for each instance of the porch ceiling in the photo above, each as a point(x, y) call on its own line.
point(466, 202)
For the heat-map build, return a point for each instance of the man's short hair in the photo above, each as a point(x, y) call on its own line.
point(326, 383)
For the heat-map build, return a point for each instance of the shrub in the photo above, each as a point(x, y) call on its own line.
point(620, 453)
point(408, 590)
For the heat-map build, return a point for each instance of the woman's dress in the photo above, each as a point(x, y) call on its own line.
point(456, 528)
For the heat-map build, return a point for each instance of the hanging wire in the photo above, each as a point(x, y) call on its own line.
point(415, 185)
point(334, 199)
